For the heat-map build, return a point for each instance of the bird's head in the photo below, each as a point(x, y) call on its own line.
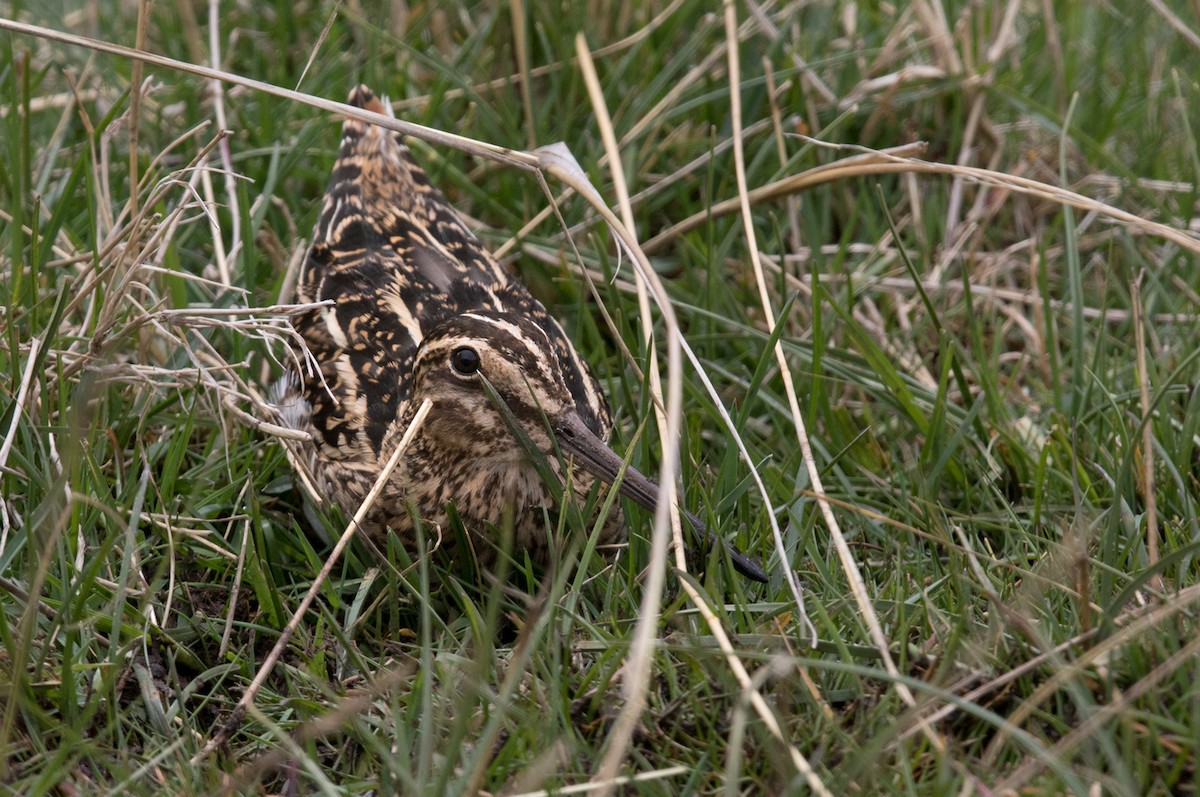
point(542, 386)
point(546, 394)
point(461, 357)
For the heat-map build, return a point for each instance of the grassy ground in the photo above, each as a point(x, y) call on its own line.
point(998, 389)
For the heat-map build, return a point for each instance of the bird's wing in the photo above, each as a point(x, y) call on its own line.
point(386, 250)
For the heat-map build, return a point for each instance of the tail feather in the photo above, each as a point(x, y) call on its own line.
point(379, 198)
point(361, 96)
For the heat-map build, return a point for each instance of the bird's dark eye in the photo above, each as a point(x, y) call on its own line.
point(464, 361)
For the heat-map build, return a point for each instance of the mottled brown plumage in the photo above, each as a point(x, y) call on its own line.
point(422, 310)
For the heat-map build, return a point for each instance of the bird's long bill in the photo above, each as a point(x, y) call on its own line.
point(597, 458)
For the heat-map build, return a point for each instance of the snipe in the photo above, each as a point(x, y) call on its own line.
point(422, 310)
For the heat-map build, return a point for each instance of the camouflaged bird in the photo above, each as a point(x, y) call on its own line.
point(421, 310)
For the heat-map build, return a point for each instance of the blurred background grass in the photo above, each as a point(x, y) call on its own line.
point(966, 360)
